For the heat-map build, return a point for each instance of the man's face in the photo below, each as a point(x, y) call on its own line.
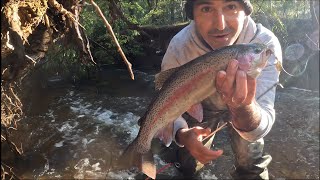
point(219, 22)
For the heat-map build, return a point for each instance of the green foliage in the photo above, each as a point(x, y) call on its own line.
point(65, 62)
point(161, 12)
point(283, 8)
point(103, 48)
point(282, 16)
point(278, 15)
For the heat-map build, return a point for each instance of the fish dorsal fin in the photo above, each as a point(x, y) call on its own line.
point(161, 77)
point(147, 166)
point(196, 111)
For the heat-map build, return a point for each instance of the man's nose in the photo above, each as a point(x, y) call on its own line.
point(220, 21)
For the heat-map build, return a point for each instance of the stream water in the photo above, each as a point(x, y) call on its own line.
point(77, 131)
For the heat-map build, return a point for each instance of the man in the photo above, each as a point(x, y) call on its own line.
point(215, 24)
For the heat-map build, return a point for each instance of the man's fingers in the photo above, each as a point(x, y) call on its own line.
point(230, 78)
point(221, 76)
point(202, 132)
point(205, 155)
point(252, 85)
point(241, 90)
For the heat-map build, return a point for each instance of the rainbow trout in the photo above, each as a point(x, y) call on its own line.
point(182, 89)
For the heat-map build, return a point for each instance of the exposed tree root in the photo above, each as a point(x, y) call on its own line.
point(28, 28)
point(7, 172)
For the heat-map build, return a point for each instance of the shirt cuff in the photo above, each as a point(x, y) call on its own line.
point(179, 123)
point(262, 130)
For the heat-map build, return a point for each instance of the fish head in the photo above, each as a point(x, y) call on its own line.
point(252, 58)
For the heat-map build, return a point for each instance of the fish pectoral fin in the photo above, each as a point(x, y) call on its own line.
point(148, 166)
point(165, 134)
point(196, 111)
point(161, 77)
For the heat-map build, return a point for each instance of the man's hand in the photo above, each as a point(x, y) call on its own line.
point(235, 87)
point(191, 139)
point(238, 92)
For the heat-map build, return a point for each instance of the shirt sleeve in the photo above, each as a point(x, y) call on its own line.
point(179, 123)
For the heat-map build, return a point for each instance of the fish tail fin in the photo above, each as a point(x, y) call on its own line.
point(148, 166)
point(131, 158)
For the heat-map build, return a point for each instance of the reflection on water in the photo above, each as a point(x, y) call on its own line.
point(84, 128)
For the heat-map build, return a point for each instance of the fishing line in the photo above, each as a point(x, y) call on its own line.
point(280, 67)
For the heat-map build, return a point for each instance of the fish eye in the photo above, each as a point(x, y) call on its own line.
point(257, 50)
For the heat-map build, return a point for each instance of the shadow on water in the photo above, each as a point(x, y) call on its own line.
point(78, 131)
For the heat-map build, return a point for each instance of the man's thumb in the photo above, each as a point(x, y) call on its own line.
point(203, 132)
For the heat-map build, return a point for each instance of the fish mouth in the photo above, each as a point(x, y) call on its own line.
point(250, 63)
point(245, 61)
point(259, 61)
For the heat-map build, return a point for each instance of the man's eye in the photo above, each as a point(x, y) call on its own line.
point(232, 7)
point(206, 9)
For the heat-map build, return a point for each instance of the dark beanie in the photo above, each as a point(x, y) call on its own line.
point(189, 7)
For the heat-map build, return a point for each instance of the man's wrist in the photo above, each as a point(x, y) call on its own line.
point(246, 118)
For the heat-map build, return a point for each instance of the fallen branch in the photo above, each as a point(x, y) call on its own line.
point(129, 66)
point(13, 147)
point(7, 171)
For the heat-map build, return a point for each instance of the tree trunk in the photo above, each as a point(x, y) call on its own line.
point(172, 12)
point(314, 10)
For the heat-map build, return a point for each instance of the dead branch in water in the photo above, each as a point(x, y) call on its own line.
point(74, 16)
point(129, 66)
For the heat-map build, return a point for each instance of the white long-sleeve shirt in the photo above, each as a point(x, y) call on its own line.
point(186, 46)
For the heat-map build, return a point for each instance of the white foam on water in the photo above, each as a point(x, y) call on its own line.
point(50, 115)
point(71, 93)
point(130, 174)
point(85, 142)
point(51, 171)
point(82, 110)
point(67, 127)
point(70, 133)
point(46, 167)
point(207, 174)
point(145, 76)
point(120, 121)
point(96, 167)
point(59, 144)
point(85, 170)
point(125, 174)
point(97, 130)
point(105, 117)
